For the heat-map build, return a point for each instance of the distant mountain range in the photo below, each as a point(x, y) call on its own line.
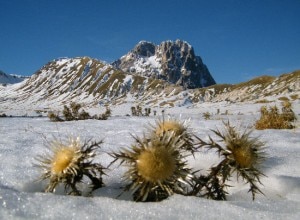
point(166, 75)
point(172, 61)
point(10, 79)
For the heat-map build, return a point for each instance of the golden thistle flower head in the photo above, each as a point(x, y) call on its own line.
point(245, 157)
point(178, 129)
point(245, 152)
point(65, 157)
point(170, 125)
point(157, 168)
point(68, 163)
point(156, 164)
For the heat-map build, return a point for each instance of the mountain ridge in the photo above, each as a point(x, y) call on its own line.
point(46, 90)
point(95, 83)
point(10, 78)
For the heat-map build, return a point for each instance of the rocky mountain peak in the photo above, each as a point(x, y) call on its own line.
point(144, 48)
point(179, 46)
point(173, 61)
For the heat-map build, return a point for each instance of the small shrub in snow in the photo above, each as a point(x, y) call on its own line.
point(206, 115)
point(133, 111)
point(138, 111)
point(75, 109)
point(272, 119)
point(147, 111)
point(84, 115)
point(106, 114)
point(103, 116)
point(54, 117)
point(68, 114)
point(287, 112)
point(73, 113)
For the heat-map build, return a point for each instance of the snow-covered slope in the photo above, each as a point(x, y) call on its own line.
point(82, 79)
point(260, 89)
point(66, 78)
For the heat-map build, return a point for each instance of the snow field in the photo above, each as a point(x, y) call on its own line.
point(21, 139)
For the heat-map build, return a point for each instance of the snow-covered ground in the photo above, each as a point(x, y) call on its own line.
point(21, 139)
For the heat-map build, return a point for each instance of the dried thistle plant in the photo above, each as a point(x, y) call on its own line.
point(240, 154)
point(68, 163)
point(179, 129)
point(157, 167)
point(54, 117)
point(273, 119)
point(206, 115)
point(287, 112)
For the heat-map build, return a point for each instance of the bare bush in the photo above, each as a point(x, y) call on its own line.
point(271, 118)
point(54, 117)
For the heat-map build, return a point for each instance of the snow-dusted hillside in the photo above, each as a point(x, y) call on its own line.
point(263, 88)
point(81, 79)
point(21, 139)
point(91, 83)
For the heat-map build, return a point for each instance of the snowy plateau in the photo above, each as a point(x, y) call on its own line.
point(22, 138)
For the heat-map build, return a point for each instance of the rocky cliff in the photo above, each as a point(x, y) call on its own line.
point(173, 61)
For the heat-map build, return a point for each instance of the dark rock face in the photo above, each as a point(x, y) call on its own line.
point(181, 66)
point(144, 48)
point(175, 62)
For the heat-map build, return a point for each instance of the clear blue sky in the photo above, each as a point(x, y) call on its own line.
point(236, 39)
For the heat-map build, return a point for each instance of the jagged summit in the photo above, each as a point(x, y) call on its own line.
point(144, 48)
point(173, 61)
